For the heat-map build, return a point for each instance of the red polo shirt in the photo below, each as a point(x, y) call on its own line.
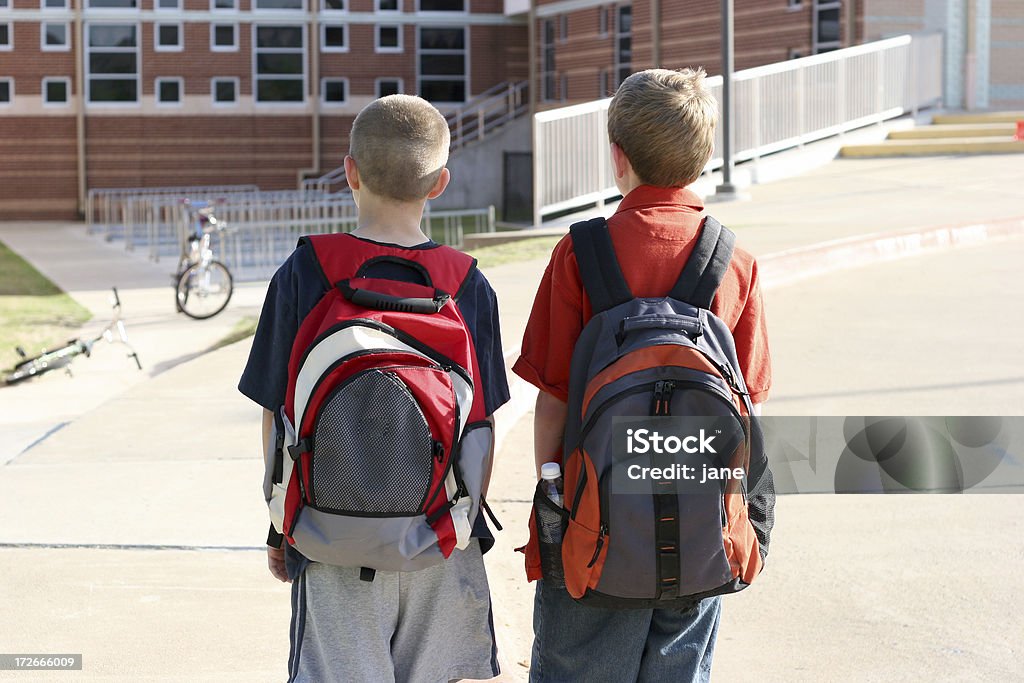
point(653, 230)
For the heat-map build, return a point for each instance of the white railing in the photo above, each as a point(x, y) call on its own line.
point(777, 107)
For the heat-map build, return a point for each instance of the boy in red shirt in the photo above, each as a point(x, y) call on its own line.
point(661, 127)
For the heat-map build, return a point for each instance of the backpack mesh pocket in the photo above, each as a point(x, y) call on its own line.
point(372, 448)
point(551, 521)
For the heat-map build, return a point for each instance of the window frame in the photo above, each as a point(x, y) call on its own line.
point(379, 10)
point(256, 77)
point(466, 62)
point(377, 81)
point(45, 8)
point(158, 47)
point(214, 47)
point(399, 28)
point(323, 91)
point(234, 80)
point(45, 47)
point(331, 11)
point(214, 8)
point(87, 50)
point(137, 7)
point(66, 80)
point(9, 80)
point(9, 45)
point(819, 46)
point(324, 47)
point(254, 7)
point(157, 8)
point(181, 91)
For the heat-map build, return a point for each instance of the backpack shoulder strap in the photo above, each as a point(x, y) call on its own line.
point(599, 268)
point(707, 265)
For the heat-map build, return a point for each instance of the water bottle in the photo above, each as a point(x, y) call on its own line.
point(551, 479)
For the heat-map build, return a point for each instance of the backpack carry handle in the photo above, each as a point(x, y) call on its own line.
point(386, 302)
point(691, 327)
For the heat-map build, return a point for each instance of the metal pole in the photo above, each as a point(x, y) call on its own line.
point(727, 189)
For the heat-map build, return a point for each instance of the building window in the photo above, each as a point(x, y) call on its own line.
point(563, 88)
point(280, 4)
point(49, 4)
point(6, 90)
point(169, 90)
point(442, 5)
point(563, 28)
point(602, 22)
point(334, 38)
point(389, 39)
point(167, 37)
point(795, 54)
point(224, 90)
point(223, 37)
point(388, 86)
point(167, 4)
point(827, 36)
point(334, 90)
point(56, 90)
point(623, 44)
point(54, 36)
point(796, 4)
point(113, 4)
point(547, 51)
point(387, 5)
point(112, 63)
point(604, 88)
point(442, 62)
point(332, 5)
point(223, 5)
point(280, 63)
point(6, 37)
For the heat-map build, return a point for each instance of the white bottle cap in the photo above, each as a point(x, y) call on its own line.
point(550, 470)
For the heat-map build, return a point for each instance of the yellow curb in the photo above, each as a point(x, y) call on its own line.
point(910, 148)
point(975, 130)
point(981, 117)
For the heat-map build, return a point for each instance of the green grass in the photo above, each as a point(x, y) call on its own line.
point(513, 252)
point(34, 312)
point(244, 328)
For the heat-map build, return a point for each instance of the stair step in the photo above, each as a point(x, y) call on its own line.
point(957, 130)
point(974, 145)
point(980, 117)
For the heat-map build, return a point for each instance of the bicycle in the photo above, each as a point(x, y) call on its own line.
point(61, 357)
point(203, 285)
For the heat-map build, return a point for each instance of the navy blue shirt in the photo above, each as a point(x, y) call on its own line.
point(298, 286)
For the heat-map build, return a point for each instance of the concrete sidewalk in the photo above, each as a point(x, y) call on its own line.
point(140, 525)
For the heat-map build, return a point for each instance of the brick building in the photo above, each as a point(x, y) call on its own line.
point(184, 92)
point(586, 47)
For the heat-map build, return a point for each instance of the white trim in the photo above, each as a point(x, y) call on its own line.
point(181, 91)
point(303, 49)
point(323, 91)
point(9, 45)
point(43, 47)
point(87, 49)
point(213, 90)
point(324, 47)
point(213, 37)
point(9, 80)
point(66, 80)
point(377, 82)
point(399, 29)
point(158, 46)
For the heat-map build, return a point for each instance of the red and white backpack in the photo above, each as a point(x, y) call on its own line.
point(383, 444)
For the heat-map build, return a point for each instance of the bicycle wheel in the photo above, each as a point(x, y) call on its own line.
point(204, 290)
point(34, 367)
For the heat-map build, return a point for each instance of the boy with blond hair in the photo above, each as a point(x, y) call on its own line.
point(661, 127)
point(351, 623)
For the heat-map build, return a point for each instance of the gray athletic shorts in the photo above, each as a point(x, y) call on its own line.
point(430, 626)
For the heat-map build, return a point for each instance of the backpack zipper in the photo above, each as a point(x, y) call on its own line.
point(602, 532)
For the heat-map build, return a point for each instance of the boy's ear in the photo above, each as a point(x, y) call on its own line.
point(620, 162)
point(351, 173)
point(441, 184)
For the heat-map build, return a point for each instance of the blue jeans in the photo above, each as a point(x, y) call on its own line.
point(574, 642)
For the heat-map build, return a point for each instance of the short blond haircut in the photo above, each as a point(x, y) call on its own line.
point(400, 145)
point(664, 121)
